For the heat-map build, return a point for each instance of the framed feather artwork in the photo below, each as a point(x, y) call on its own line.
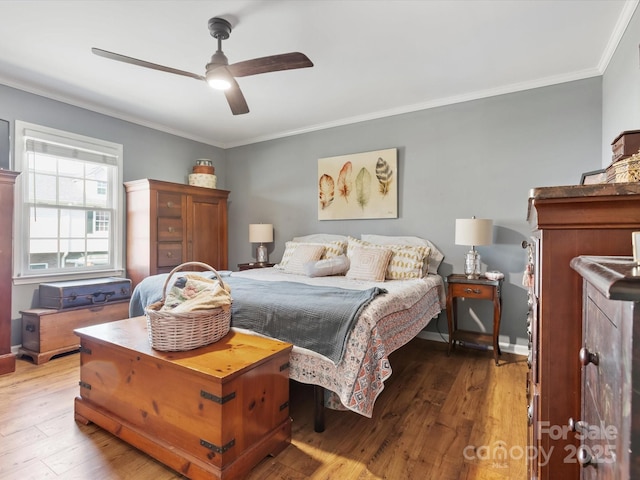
point(358, 186)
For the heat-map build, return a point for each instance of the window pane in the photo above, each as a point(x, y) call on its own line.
point(43, 189)
point(96, 194)
point(71, 191)
point(72, 224)
point(70, 168)
point(43, 254)
point(43, 223)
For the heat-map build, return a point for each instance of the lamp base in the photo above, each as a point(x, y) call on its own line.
point(472, 264)
point(262, 256)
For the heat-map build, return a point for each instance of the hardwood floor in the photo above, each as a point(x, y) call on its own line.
point(439, 417)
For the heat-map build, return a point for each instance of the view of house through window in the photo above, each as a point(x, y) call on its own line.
point(70, 192)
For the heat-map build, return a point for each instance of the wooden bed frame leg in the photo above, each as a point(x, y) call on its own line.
point(318, 409)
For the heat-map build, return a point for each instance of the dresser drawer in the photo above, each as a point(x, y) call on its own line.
point(603, 338)
point(170, 229)
point(484, 292)
point(169, 204)
point(169, 254)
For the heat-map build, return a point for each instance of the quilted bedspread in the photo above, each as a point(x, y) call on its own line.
point(384, 325)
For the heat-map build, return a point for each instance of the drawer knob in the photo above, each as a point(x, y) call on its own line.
point(477, 291)
point(170, 204)
point(585, 458)
point(578, 426)
point(170, 229)
point(587, 357)
point(169, 254)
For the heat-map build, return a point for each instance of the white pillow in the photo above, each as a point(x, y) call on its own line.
point(331, 249)
point(368, 263)
point(435, 255)
point(304, 252)
point(329, 266)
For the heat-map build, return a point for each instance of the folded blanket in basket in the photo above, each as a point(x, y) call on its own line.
point(194, 292)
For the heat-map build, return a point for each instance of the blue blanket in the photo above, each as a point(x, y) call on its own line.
point(313, 317)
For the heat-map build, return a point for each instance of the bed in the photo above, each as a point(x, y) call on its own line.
point(396, 313)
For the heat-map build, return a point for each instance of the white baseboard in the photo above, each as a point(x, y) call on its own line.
point(505, 347)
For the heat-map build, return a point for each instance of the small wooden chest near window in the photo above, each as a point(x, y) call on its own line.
point(47, 332)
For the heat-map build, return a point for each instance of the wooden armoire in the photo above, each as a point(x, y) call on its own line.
point(169, 224)
point(566, 222)
point(7, 182)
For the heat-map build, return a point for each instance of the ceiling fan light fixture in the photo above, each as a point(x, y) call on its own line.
point(217, 75)
point(218, 83)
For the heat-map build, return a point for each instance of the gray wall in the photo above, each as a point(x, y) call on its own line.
point(147, 153)
point(621, 89)
point(475, 158)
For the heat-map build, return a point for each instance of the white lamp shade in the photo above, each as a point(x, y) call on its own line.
point(474, 231)
point(260, 233)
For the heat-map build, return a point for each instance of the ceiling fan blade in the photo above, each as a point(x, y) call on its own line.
point(273, 63)
point(235, 98)
point(142, 63)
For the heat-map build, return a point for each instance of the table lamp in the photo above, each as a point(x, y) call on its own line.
point(473, 231)
point(261, 233)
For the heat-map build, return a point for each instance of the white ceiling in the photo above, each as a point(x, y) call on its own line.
point(372, 58)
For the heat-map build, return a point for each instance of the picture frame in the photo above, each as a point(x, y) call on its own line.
point(594, 177)
point(358, 186)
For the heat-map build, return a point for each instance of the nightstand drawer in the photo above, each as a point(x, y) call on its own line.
point(484, 292)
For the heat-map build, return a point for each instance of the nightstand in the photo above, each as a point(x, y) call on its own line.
point(459, 286)
point(250, 266)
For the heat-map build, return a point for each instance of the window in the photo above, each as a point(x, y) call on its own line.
point(71, 206)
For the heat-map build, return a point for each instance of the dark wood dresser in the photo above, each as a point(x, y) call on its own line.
point(169, 224)
point(566, 222)
point(7, 182)
point(609, 427)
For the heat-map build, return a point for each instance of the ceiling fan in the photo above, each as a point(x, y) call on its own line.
point(218, 73)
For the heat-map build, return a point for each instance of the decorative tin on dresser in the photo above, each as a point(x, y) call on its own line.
point(608, 427)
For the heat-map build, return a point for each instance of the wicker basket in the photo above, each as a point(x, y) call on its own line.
point(176, 332)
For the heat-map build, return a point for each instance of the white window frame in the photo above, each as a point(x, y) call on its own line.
point(22, 274)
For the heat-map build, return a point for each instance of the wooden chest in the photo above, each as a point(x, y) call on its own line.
point(212, 412)
point(47, 332)
point(625, 144)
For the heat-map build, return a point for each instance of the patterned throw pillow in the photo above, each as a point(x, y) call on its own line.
point(406, 261)
point(368, 263)
point(331, 250)
point(302, 254)
point(431, 263)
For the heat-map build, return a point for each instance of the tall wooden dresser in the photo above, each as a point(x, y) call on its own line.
point(169, 224)
point(566, 222)
point(610, 358)
point(7, 182)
